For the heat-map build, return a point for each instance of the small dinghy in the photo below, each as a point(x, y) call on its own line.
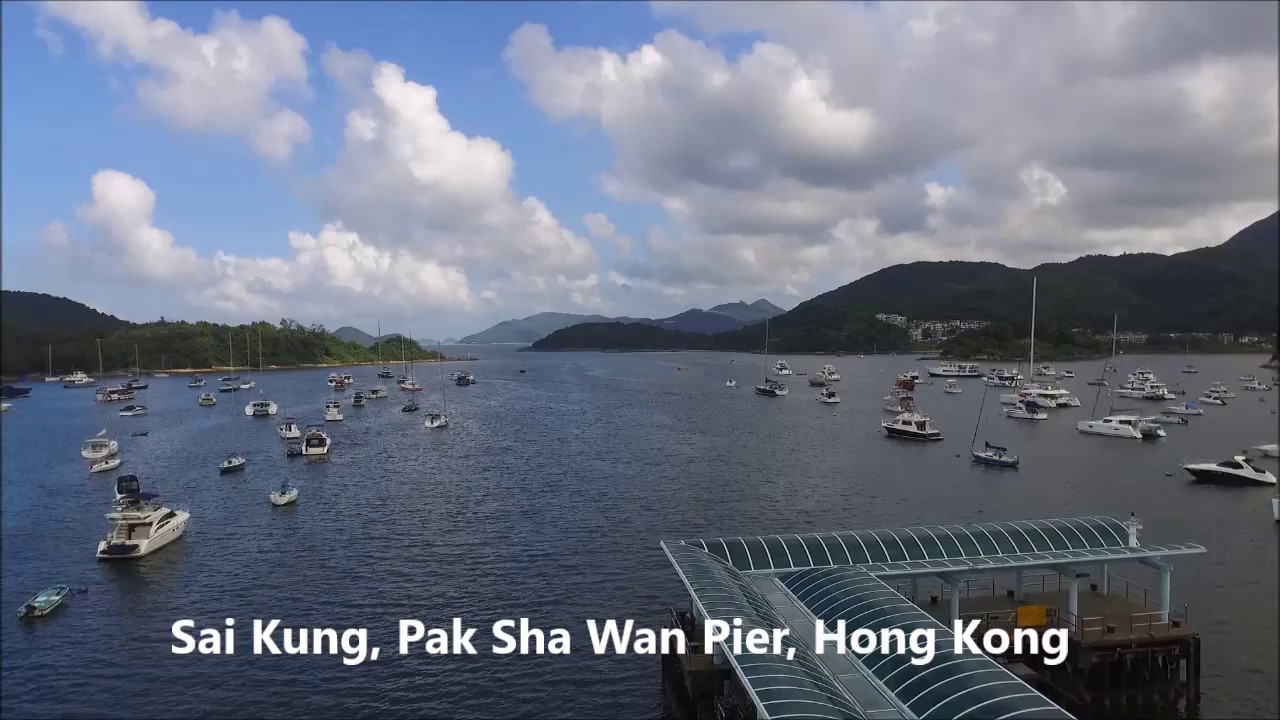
point(45, 602)
point(232, 463)
point(144, 433)
point(105, 464)
point(285, 495)
point(727, 383)
point(994, 455)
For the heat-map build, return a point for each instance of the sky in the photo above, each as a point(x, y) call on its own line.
point(438, 167)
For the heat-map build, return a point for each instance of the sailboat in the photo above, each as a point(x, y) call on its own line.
point(993, 455)
point(102, 447)
point(770, 388)
point(260, 407)
point(409, 383)
point(385, 372)
point(136, 382)
point(229, 382)
point(162, 373)
point(440, 419)
point(248, 384)
point(1186, 355)
point(49, 377)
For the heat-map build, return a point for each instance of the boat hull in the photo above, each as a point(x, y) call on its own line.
point(992, 461)
point(904, 434)
point(278, 499)
point(1117, 431)
point(132, 550)
point(1218, 477)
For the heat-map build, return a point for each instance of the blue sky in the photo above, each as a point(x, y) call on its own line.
point(491, 160)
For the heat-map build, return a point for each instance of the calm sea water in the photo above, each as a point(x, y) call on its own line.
point(546, 499)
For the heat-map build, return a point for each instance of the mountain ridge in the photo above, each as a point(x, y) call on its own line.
point(530, 329)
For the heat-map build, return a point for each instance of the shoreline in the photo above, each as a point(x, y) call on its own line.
point(38, 377)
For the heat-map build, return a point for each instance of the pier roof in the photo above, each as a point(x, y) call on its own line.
point(776, 581)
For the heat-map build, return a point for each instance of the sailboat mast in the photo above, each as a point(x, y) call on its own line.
point(443, 396)
point(766, 348)
point(977, 424)
point(1033, 327)
point(259, 351)
point(231, 358)
point(378, 342)
point(50, 359)
point(1115, 323)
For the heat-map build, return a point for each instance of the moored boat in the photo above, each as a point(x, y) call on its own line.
point(911, 426)
point(44, 602)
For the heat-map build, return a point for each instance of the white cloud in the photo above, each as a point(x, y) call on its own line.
point(121, 216)
point(226, 81)
point(818, 154)
point(54, 235)
point(600, 228)
point(51, 39)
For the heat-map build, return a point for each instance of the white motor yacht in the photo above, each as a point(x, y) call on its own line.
point(1271, 450)
point(780, 367)
point(1190, 369)
point(1068, 373)
point(1021, 412)
point(315, 442)
point(1222, 390)
point(1209, 397)
point(133, 410)
point(260, 408)
point(139, 525)
point(731, 383)
point(289, 430)
point(105, 464)
point(248, 385)
point(1042, 395)
point(332, 411)
point(78, 379)
point(952, 387)
point(1123, 426)
point(377, 392)
point(207, 399)
point(829, 373)
point(233, 462)
point(1186, 408)
point(828, 396)
point(772, 388)
point(913, 375)
point(97, 448)
point(1246, 378)
point(435, 420)
point(334, 380)
point(1000, 377)
point(358, 399)
point(195, 382)
point(347, 379)
point(1046, 370)
point(911, 426)
point(1254, 385)
point(955, 369)
point(1237, 471)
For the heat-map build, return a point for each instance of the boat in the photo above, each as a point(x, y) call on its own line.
point(1239, 470)
point(101, 446)
point(1000, 377)
point(293, 448)
point(105, 464)
point(1165, 418)
point(1041, 395)
point(347, 379)
point(464, 379)
point(284, 495)
point(1046, 370)
point(229, 382)
point(731, 383)
point(142, 433)
point(139, 524)
point(994, 455)
point(206, 400)
point(45, 602)
point(816, 380)
point(49, 376)
point(78, 379)
point(163, 373)
point(358, 399)
point(1210, 397)
point(195, 381)
point(233, 462)
point(289, 430)
point(1099, 382)
point(1271, 450)
point(1189, 369)
point(385, 372)
point(1122, 426)
point(829, 373)
point(377, 392)
point(1068, 373)
point(772, 388)
point(1254, 385)
point(955, 369)
point(913, 375)
point(411, 406)
point(1246, 378)
point(136, 384)
point(440, 419)
point(828, 396)
point(260, 408)
point(249, 383)
point(133, 410)
point(332, 411)
point(232, 385)
point(408, 382)
point(315, 442)
point(334, 380)
point(911, 426)
point(1021, 412)
point(4, 407)
point(952, 387)
point(10, 392)
point(114, 394)
point(1222, 390)
point(1186, 408)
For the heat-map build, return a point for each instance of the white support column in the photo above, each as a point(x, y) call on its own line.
point(1073, 599)
point(1017, 585)
point(1106, 579)
point(1166, 582)
point(955, 602)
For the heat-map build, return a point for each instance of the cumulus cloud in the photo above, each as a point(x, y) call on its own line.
point(854, 136)
point(226, 81)
point(599, 227)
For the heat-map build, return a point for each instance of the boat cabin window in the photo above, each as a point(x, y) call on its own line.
point(1231, 465)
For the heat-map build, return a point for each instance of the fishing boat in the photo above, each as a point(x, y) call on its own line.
point(772, 388)
point(951, 387)
point(233, 462)
point(828, 396)
point(286, 494)
point(207, 400)
point(45, 602)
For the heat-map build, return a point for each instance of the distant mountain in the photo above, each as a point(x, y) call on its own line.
point(755, 312)
point(360, 337)
point(44, 313)
point(718, 319)
point(1230, 287)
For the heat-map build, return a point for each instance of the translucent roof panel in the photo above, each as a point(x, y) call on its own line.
point(799, 687)
point(950, 685)
point(939, 546)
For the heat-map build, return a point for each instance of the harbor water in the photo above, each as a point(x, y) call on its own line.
point(546, 499)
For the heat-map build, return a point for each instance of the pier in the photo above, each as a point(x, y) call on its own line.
point(1126, 644)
